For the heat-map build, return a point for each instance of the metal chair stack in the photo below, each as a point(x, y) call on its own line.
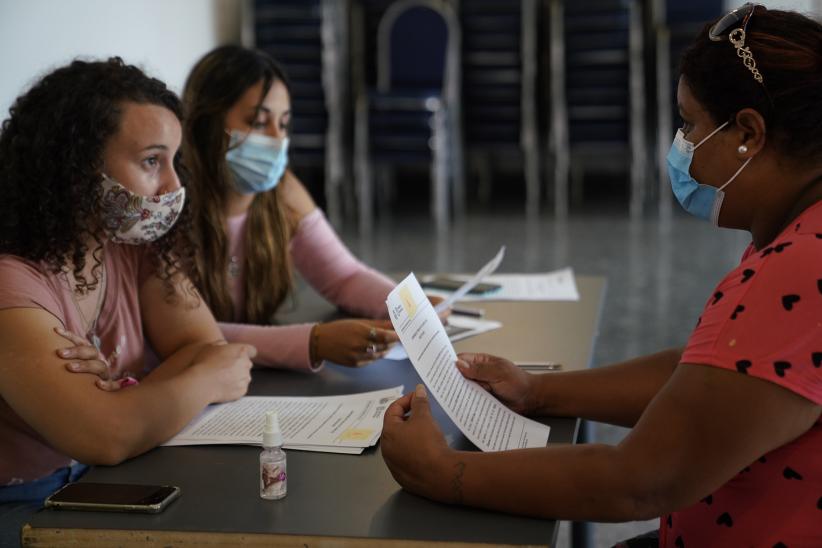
point(597, 74)
point(499, 87)
point(411, 117)
point(296, 33)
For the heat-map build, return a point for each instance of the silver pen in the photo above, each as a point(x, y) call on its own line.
point(540, 366)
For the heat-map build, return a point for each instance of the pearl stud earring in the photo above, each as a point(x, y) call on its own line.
point(742, 149)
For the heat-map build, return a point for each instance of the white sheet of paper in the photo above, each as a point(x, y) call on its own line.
point(483, 272)
point(349, 421)
point(468, 327)
point(396, 353)
point(558, 285)
point(481, 417)
point(327, 449)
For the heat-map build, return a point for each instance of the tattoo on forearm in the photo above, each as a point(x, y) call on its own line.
point(456, 483)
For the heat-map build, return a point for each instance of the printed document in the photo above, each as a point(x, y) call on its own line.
point(457, 328)
point(483, 272)
point(480, 416)
point(558, 285)
point(343, 424)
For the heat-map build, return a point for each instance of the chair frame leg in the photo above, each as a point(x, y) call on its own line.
point(440, 205)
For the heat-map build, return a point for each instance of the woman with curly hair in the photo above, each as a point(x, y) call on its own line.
point(254, 222)
point(93, 240)
point(726, 433)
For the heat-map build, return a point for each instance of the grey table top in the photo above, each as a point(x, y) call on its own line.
point(332, 495)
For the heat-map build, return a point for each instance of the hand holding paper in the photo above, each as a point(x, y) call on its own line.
point(482, 418)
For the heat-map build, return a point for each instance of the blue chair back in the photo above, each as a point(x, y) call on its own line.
point(692, 11)
point(418, 42)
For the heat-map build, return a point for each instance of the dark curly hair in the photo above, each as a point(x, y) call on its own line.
point(51, 150)
point(787, 48)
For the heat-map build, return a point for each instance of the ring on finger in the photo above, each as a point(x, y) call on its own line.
point(372, 334)
point(371, 349)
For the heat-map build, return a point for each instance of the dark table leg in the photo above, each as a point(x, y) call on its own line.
point(581, 531)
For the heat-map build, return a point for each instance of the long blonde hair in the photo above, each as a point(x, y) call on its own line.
point(215, 84)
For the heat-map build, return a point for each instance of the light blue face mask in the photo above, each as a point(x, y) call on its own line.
point(703, 201)
point(256, 161)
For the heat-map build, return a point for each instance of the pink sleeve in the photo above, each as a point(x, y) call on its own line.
point(331, 269)
point(283, 346)
point(24, 286)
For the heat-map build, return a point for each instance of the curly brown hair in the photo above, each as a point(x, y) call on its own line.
point(51, 150)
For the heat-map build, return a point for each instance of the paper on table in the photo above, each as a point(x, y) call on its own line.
point(350, 421)
point(458, 328)
point(327, 449)
point(315, 448)
point(489, 268)
point(558, 285)
point(482, 418)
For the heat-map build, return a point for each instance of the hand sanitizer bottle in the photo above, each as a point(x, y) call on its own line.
point(272, 460)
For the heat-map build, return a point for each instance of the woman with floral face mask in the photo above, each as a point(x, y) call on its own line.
point(93, 241)
point(254, 221)
point(727, 436)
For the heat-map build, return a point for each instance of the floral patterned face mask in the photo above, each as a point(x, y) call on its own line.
point(129, 218)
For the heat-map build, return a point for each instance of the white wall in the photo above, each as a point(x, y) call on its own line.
point(164, 37)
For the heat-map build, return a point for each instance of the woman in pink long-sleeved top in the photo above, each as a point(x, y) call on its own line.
point(255, 221)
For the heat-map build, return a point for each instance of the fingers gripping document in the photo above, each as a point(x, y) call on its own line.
point(480, 416)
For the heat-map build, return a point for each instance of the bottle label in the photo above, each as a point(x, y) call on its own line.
point(272, 479)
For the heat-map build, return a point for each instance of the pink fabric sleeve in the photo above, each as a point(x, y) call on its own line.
point(334, 272)
point(285, 346)
point(25, 287)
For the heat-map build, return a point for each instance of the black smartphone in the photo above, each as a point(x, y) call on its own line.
point(113, 497)
point(450, 284)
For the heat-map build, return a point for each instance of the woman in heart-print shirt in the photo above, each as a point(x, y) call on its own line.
point(726, 437)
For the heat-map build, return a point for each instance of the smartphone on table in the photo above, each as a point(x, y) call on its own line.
point(445, 283)
point(113, 497)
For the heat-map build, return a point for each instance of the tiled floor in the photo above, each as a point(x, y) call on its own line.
point(659, 276)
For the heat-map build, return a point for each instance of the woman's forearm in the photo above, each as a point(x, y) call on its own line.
point(176, 363)
point(579, 482)
point(365, 292)
point(616, 394)
point(165, 407)
point(331, 269)
point(285, 346)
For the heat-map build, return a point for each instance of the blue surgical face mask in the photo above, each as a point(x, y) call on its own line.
point(256, 161)
point(703, 201)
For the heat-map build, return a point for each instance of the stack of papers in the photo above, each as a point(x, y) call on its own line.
point(328, 424)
